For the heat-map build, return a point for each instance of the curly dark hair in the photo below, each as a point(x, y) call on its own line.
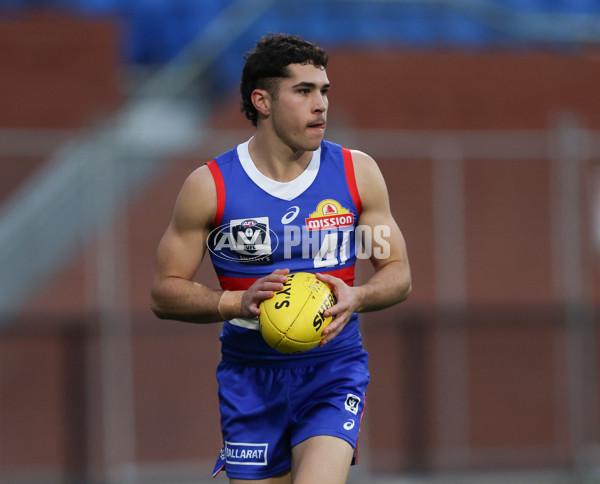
point(268, 61)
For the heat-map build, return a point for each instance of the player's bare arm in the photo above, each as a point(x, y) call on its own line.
point(174, 294)
point(391, 282)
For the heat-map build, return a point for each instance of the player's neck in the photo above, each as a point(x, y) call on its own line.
point(277, 160)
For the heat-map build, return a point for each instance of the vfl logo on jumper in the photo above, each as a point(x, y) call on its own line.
point(247, 240)
point(329, 214)
point(352, 403)
point(246, 454)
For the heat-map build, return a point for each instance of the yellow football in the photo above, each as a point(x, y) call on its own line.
point(292, 320)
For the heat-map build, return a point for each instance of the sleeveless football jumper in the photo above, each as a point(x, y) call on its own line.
point(307, 224)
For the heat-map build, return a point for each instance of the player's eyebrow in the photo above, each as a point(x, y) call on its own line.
point(310, 85)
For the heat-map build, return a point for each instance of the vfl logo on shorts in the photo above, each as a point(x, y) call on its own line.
point(352, 403)
point(246, 454)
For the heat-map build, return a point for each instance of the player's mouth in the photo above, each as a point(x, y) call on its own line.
point(320, 125)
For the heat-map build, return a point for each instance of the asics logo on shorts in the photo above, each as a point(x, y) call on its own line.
point(349, 425)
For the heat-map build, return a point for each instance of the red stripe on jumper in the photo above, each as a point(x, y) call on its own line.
point(229, 283)
point(220, 186)
point(351, 179)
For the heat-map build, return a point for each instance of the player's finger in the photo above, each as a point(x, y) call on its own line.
point(254, 309)
point(334, 328)
point(332, 333)
point(340, 306)
point(271, 286)
point(329, 279)
point(276, 278)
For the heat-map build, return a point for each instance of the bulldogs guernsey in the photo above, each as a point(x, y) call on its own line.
point(261, 225)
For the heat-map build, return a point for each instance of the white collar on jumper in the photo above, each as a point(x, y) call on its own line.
point(284, 190)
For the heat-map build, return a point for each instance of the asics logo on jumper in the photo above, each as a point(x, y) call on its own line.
point(290, 215)
point(246, 454)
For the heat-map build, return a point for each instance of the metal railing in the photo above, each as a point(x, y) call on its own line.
point(82, 185)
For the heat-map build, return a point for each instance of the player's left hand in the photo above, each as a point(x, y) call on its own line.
point(343, 309)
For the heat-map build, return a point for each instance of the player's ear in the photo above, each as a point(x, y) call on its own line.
point(261, 100)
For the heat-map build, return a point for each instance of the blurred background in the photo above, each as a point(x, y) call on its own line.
point(484, 116)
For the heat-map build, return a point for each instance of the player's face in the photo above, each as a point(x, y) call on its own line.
point(299, 111)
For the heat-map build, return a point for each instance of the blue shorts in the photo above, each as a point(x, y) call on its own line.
point(266, 411)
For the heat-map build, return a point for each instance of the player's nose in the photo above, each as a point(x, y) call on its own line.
point(320, 104)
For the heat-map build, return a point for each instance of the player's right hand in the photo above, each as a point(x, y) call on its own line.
point(261, 289)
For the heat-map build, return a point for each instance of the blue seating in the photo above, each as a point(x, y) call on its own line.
point(156, 30)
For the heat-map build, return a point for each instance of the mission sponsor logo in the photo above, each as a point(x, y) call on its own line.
point(329, 215)
point(246, 454)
